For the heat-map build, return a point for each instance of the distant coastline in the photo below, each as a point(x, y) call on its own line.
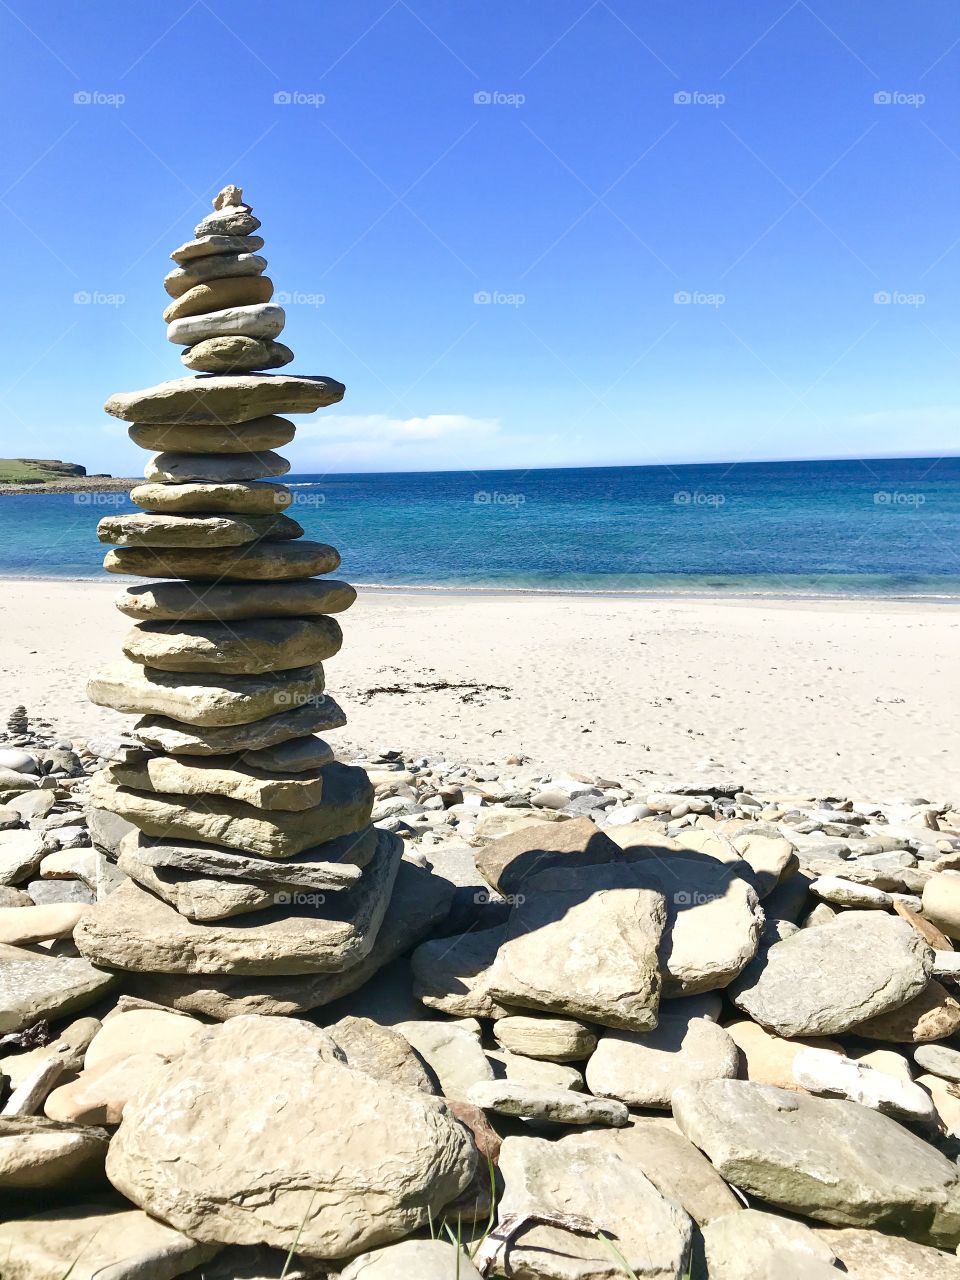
point(74, 484)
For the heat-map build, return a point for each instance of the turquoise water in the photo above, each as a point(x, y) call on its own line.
point(873, 527)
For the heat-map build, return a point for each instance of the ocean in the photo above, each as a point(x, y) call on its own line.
point(873, 527)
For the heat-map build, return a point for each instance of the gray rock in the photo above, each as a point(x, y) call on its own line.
point(18, 761)
point(540, 1036)
point(413, 1260)
point(44, 892)
point(825, 981)
point(20, 855)
point(40, 1154)
point(873, 1255)
point(259, 320)
point(381, 1052)
point(34, 985)
point(225, 398)
point(546, 1106)
point(644, 1069)
point(453, 974)
point(535, 1072)
point(509, 861)
point(178, 739)
point(752, 1243)
point(452, 1052)
point(834, 1161)
point(939, 1059)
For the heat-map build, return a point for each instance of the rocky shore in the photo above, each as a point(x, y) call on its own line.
point(690, 1027)
point(74, 484)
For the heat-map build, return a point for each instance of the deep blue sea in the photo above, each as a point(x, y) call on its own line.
point(864, 527)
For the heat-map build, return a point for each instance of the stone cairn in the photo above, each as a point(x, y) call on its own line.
point(252, 852)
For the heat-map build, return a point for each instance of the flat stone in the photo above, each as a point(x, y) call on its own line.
point(205, 700)
point(68, 1049)
point(262, 320)
point(941, 902)
point(224, 776)
point(331, 866)
point(44, 893)
point(932, 1015)
point(559, 1106)
point(533, 1036)
point(69, 864)
point(33, 804)
point(318, 715)
point(18, 761)
point(20, 856)
point(236, 355)
point(769, 1058)
point(419, 901)
point(204, 898)
point(846, 893)
point(454, 974)
point(940, 1059)
point(751, 1243)
point(831, 1075)
point(215, 468)
point(276, 833)
point(824, 981)
point(534, 1073)
point(255, 436)
point(833, 1161)
point(332, 1165)
point(580, 1177)
point(508, 861)
point(251, 647)
point(584, 942)
point(218, 266)
point(946, 1102)
point(21, 926)
point(100, 1093)
point(207, 245)
point(216, 295)
point(231, 220)
point(296, 756)
point(134, 930)
point(258, 560)
point(655, 1147)
point(874, 1255)
point(229, 398)
point(643, 1070)
point(14, 897)
point(132, 1031)
point(40, 1154)
point(182, 601)
point(413, 1260)
point(452, 1052)
point(34, 986)
point(381, 1052)
point(154, 530)
point(263, 498)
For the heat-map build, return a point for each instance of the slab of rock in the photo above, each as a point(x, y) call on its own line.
point(534, 1072)
point(228, 220)
point(259, 320)
point(20, 855)
point(381, 1052)
point(39, 1154)
point(210, 245)
point(932, 1015)
point(21, 926)
point(506, 862)
point(218, 468)
point(257, 499)
point(833, 1161)
point(940, 1059)
point(226, 602)
point(830, 1075)
point(847, 893)
point(205, 700)
point(584, 942)
point(419, 901)
point(332, 1166)
point(218, 266)
point(452, 1052)
point(69, 1048)
point(941, 902)
point(250, 647)
point(826, 980)
point(100, 1094)
point(236, 355)
point(557, 1039)
point(178, 739)
point(276, 833)
point(873, 1255)
point(227, 776)
point(203, 898)
point(133, 1031)
point(578, 1176)
point(297, 756)
point(643, 1069)
point(231, 398)
point(946, 1101)
point(255, 436)
point(453, 974)
point(97, 1242)
point(263, 560)
point(753, 1243)
point(153, 529)
point(412, 1260)
point(768, 1058)
point(560, 1106)
point(134, 930)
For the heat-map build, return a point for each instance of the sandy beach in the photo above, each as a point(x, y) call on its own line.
point(831, 697)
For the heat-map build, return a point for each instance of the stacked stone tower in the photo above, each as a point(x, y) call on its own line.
point(253, 852)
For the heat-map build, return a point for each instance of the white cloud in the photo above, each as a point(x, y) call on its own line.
point(375, 441)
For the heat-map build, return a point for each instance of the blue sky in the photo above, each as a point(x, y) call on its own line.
point(523, 234)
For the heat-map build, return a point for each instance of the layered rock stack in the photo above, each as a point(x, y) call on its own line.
point(253, 852)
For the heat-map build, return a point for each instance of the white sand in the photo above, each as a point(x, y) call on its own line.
point(841, 698)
